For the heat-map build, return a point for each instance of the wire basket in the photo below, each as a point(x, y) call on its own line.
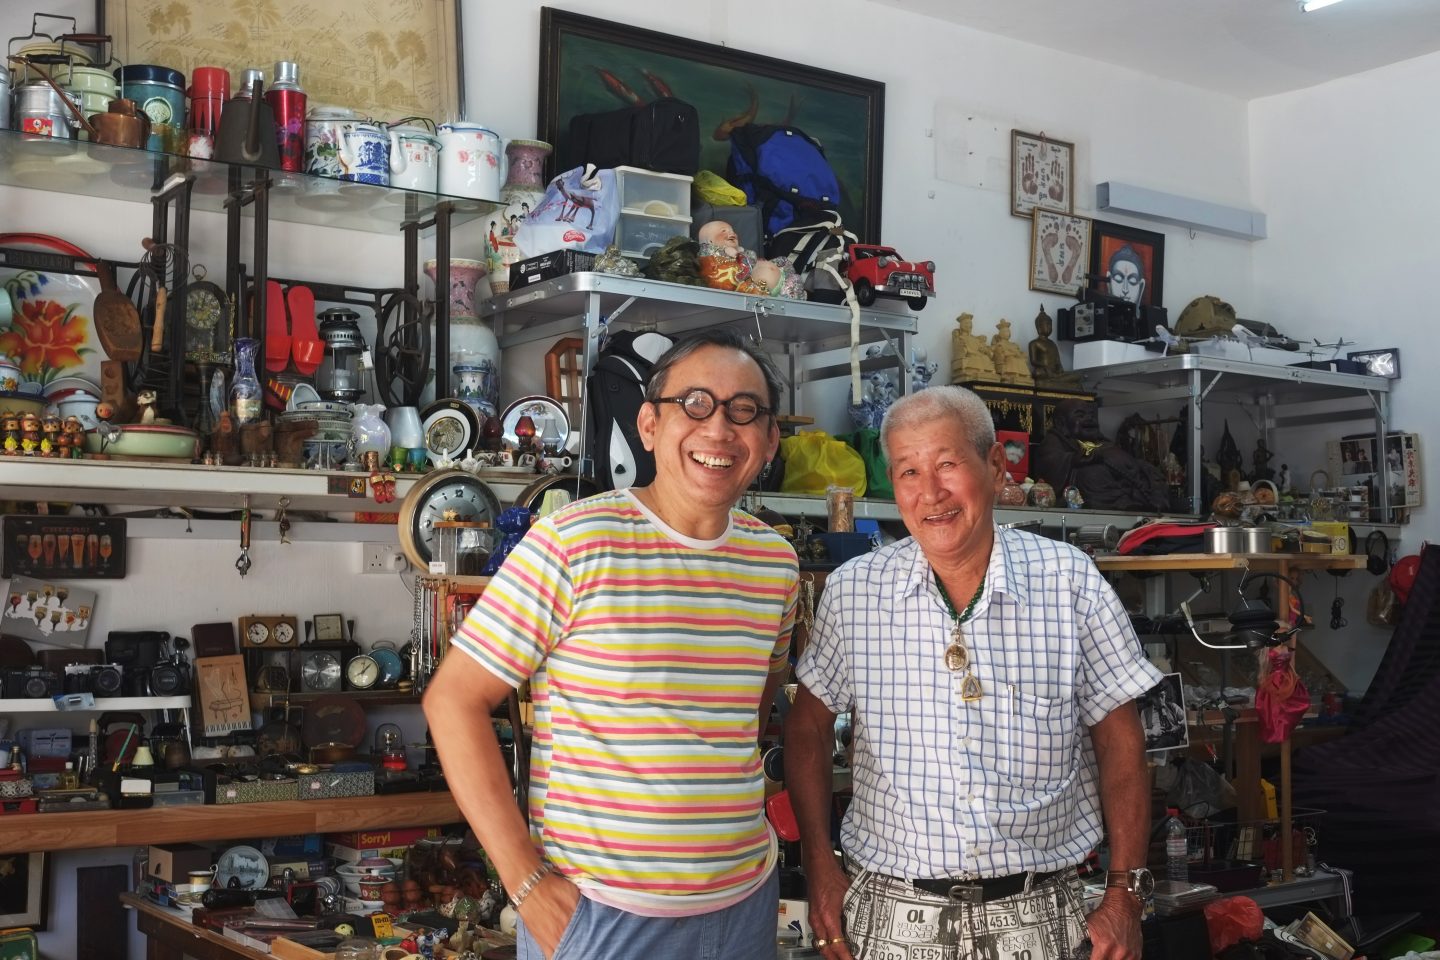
point(1256, 841)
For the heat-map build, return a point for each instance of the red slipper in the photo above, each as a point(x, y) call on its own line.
point(306, 347)
point(277, 328)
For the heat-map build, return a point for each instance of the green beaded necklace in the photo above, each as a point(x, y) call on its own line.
point(957, 656)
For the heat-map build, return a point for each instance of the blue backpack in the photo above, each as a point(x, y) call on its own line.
point(784, 171)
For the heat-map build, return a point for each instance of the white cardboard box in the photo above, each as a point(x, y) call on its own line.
point(1102, 353)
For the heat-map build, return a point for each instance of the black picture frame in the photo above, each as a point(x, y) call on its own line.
point(587, 65)
point(1163, 716)
point(1107, 239)
point(53, 563)
point(1378, 363)
point(25, 890)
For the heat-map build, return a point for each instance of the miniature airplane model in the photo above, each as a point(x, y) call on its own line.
point(1334, 348)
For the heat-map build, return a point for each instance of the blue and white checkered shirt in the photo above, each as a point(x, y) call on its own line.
point(994, 787)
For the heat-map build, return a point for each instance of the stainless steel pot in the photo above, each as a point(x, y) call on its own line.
point(1225, 540)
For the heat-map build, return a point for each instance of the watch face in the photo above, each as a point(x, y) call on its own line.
point(284, 633)
point(362, 672)
point(1142, 883)
point(451, 495)
point(320, 671)
point(257, 633)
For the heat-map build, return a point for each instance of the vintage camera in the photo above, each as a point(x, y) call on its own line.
point(169, 677)
point(101, 679)
point(34, 683)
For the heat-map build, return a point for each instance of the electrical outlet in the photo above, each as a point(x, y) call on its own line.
point(379, 557)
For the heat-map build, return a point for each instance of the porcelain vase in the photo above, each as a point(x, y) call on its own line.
point(464, 277)
point(368, 432)
point(524, 189)
point(475, 364)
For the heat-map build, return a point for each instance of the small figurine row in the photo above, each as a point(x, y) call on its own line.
point(31, 435)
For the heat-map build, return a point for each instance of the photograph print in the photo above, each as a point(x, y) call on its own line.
point(1127, 263)
point(1162, 713)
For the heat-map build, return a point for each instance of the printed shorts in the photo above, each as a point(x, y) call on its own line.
point(886, 918)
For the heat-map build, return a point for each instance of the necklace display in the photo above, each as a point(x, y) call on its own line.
point(957, 655)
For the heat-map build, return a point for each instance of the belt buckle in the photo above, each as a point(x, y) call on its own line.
point(968, 890)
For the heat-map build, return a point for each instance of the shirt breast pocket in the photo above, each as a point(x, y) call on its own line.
point(1037, 739)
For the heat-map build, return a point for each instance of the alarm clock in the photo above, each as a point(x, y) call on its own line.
point(268, 630)
point(320, 671)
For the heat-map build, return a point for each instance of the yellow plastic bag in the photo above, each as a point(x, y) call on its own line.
point(713, 189)
point(814, 460)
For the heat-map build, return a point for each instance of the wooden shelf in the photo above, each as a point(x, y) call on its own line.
point(1231, 561)
point(366, 698)
point(34, 832)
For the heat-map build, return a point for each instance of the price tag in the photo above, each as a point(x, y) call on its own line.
point(438, 568)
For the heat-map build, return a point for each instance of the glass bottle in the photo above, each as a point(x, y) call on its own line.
point(245, 391)
point(69, 780)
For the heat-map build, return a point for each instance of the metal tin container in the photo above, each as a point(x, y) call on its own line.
point(40, 112)
point(1225, 540)
point(160, 92)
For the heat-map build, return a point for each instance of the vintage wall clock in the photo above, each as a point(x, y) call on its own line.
point(443, 495)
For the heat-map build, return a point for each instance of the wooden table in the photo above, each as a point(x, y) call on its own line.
point(169, 935)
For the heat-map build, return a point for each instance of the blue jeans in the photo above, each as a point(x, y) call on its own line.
point(745, 931)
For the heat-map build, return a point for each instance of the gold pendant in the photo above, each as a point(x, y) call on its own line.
point(970, 689)
point(957, 658)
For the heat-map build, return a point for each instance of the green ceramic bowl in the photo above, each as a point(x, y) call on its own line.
point(148, 440)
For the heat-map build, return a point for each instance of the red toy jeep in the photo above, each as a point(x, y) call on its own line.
point(879, 271)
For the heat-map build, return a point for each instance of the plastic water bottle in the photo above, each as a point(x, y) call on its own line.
point(1177, 864)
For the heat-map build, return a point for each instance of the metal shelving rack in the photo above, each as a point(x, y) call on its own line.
point(1196, 379)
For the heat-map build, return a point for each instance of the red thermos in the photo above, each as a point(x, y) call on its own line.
point(287, 102)
point(209, 89)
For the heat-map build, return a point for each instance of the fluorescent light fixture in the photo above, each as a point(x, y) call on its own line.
point(1136, 201)
point(1310, 6)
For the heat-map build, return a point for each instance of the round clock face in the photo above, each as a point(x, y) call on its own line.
point(320, 671)
point(284, 633)
point(203, 305)
point(257, 633)
point(362, 672)
point(446, 495)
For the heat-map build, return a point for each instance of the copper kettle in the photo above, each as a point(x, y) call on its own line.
point(125, 125)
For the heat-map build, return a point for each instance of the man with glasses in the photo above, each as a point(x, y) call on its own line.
point(1126, 274)
point(653, 626)
point(992, 674)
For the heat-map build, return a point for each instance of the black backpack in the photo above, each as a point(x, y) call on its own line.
point(614, 392)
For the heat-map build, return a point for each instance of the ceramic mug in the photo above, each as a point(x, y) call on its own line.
point(414, 159)
point(365, 154)
point(470, 161)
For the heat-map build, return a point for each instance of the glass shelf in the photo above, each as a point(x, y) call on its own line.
point(125, 173)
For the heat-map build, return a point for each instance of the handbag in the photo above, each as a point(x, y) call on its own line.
point(579, 212)
point(662, 135)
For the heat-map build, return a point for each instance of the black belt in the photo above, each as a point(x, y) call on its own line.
point(983, 891)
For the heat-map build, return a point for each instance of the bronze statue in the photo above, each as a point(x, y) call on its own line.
point(1045, 362)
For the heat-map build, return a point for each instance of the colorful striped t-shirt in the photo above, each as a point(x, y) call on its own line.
point(647, 653)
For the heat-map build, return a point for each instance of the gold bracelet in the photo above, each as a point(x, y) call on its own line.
point(528, 885)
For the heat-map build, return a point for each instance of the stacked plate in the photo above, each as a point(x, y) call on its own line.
point(327, 446)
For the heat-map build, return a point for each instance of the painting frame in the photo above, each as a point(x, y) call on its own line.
point(1107, 239)
point(111, 17)
point(854, 144)
point(30, 909)
point(1045, 153)
point(1058, 266)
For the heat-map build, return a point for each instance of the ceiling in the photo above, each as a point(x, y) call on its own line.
point(1245, 48)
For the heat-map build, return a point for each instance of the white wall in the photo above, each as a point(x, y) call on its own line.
point(1351, 250)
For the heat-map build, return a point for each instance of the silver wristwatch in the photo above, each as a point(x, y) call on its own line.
point(1139, 881)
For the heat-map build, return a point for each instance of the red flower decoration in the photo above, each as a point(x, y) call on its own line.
point(45, 338)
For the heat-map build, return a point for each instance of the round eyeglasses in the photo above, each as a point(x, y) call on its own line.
point(700, 403)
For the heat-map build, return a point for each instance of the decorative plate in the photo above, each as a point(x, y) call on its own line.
point(242, 868)
point(53, 332)
point(449, 427)
point(540, 409)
